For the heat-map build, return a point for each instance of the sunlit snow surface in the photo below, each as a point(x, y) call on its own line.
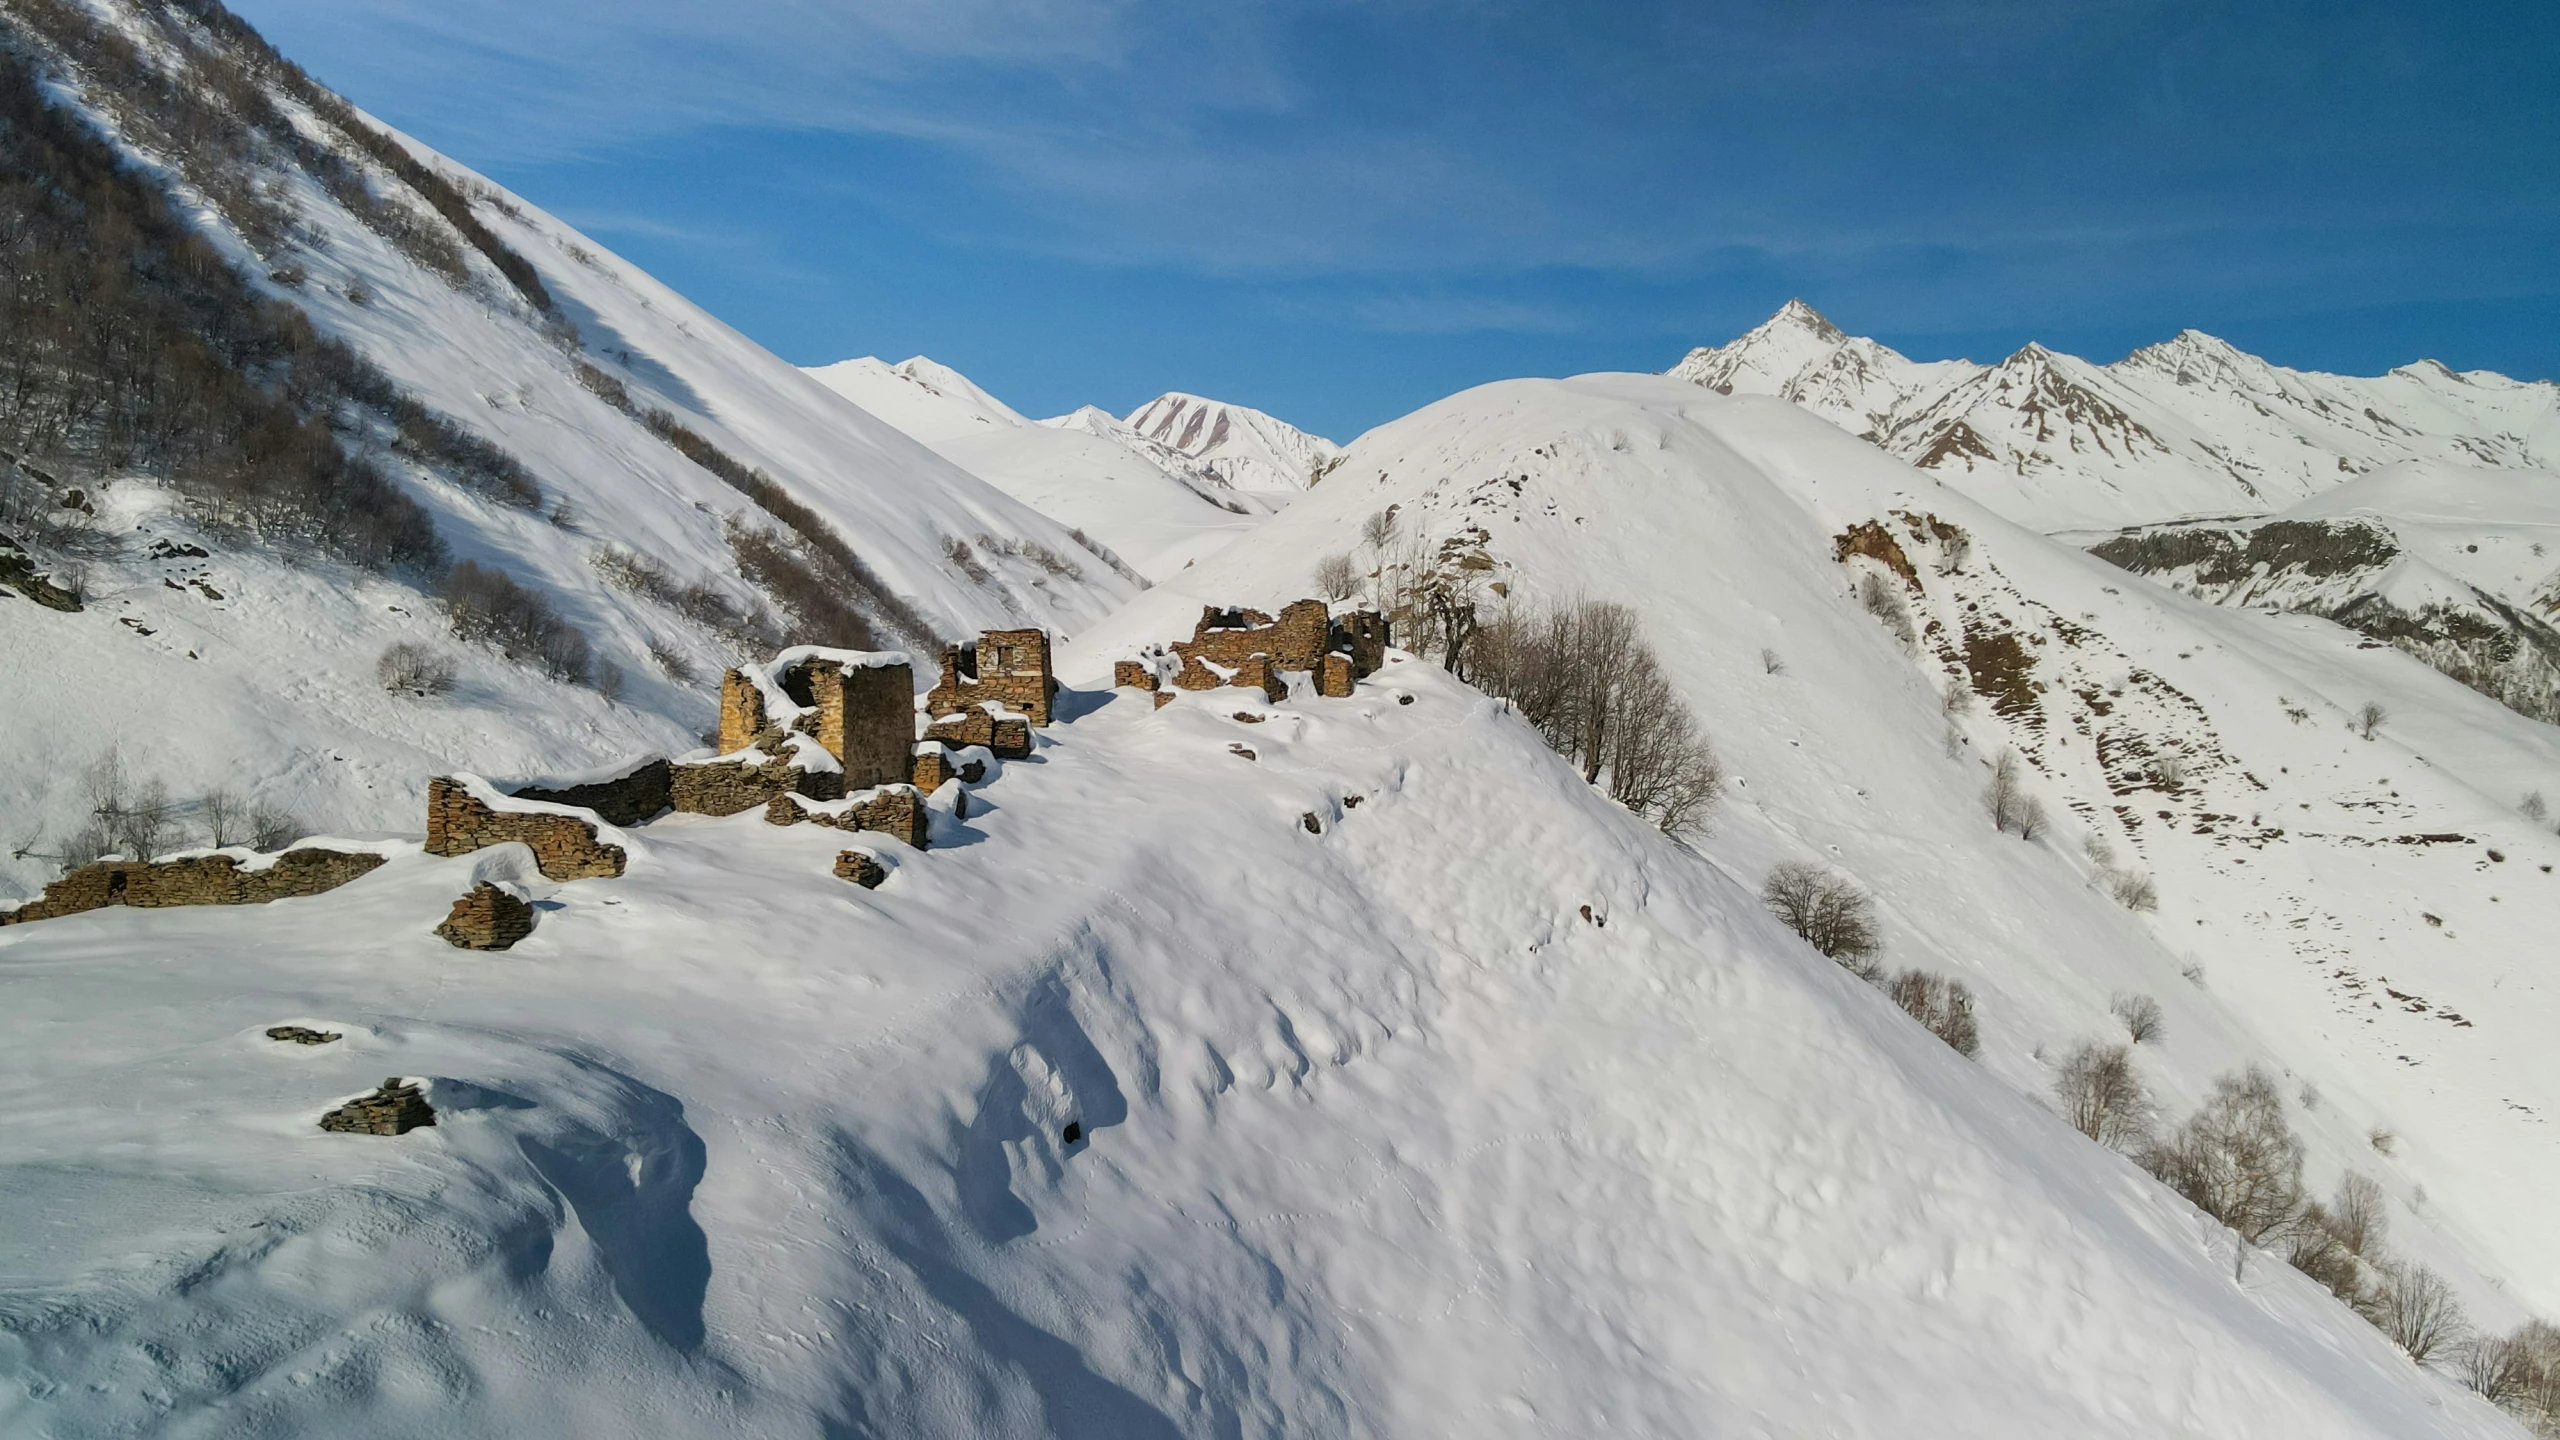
point(1381, 1137)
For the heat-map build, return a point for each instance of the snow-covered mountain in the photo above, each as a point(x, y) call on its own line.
point(2357, 914)
point(1154, 507)
point(1243, 447)
point(1229, 1068)
point(1417, 1088)
point(2189, 428)
point(251, 666)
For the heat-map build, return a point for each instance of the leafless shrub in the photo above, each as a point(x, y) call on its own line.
point(2359, 1214)
point(630, 570)
point(409, 668)
point(957, 551)
point(2369, 718)
point(1829, 911)
point(2236, 1159)
point(2308, 1098)
point(1583, 676)
point(1379, 530)
point(135, 820)
point(2101, 852)
point(604, 386)
point(2103, 1097)
point(1337, 579)
point(226, 817)
point(1882, 598)
point(2312, 1245)
point(2193, 973)
point(1942, 1005)
point(1050, 560)
point(2533, 808)
point(1771, 663)
point(2416, 1308)
point(2169, 772)
point(1102, 552)
point(2519, 1372)
point(2133, 889)
point(358, 292)
point(2140, 1015)
point(2006, 796)
point(271, 828)
point(671, 662)
point(1954, 549)
point(2382, 1140)
point(608, 681)
point(486, 604)
point(562, 514)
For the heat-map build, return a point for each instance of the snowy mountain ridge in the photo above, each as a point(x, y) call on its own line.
point(1242, 447)
point(2191, 427)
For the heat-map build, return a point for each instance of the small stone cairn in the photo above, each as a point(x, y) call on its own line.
point(487, 919)
point(395, 1109)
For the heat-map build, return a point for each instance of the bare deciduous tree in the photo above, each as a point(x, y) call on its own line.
point(2140, 1014)
point(2236, 1159)
point(1337, 579)
point(2006, 796)
point(1583, 676)
point(2132, 889)
point(2369, 719)
point(226, 817)
point(1832, 914)
point(1944, 1006)
point(2102, 1095)
point(1379, 530)
point(1883, 599)
point(409, 668)
point(1771, 663)
point(2416, 1308)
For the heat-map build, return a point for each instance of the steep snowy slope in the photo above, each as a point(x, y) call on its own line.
point(2362, 914)
point(1378, 1137)
point(261, 678)
point(2186, 428)
point(1242, 447)
point(1154, 507)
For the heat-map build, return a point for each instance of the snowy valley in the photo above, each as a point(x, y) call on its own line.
point(1212, 1049)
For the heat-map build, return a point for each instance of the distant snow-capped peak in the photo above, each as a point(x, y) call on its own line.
point(1239, 446)
point(2192, 426)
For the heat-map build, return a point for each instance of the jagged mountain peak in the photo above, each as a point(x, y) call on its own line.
point(1236, 445)
point(2190, 426)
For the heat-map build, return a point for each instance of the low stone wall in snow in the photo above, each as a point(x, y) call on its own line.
point(196, 880)
point(564, 846)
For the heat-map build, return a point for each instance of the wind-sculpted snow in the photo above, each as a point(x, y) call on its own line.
point(1379, 1136)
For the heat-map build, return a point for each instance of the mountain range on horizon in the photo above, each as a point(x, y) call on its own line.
point(1649, 975)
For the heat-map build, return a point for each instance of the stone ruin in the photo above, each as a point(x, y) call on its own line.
point(465, 813)
point(395, 1109)
point(1257, 651)
point(861, 867)
point(194, 880)
point(488, 918)
point(993, 693)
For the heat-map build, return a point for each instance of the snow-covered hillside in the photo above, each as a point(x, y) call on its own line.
point(1379, 1137)
point(261, 679)
point(1243, 447)
point(2360, 913)
point(2190, 427)
point(1153, 506)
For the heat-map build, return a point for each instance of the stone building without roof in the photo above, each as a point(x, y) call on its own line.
point(1257, 651)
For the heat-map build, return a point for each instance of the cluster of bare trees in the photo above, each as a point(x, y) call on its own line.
point(1582, 674)
point(2238, 1160)
point(1831, 914)
point(140, 819)
point(745, 626)
point(486, 604)
point(2007, 799)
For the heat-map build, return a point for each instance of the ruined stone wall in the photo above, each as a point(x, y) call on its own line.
point(625, 800)
point(727, 787)
point(1364, 636)
point(741, 712)
point(875, 726)
point(895, 810)
point(564, 846)
point(201, 880)
point(1250, 649)
point(1009, 738)
point(1007, 667)
point(1294, 641)
point(486, 919)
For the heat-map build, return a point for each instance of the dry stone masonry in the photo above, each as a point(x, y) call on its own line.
point(1009, 668)
point(564, 846)
point(893, 810)
point(195, 880)
point(395, 1109)
point(1257, 651)
point(857, 705)
point(302, 1035)
point(487, 919)
point(634, 798)
point(861, 867)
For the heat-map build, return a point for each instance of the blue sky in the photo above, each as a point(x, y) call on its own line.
point(1339, 210)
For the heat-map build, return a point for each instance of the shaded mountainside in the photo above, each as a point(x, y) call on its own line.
point(276, 375)
point(2187, 428)
point(2483, 620)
